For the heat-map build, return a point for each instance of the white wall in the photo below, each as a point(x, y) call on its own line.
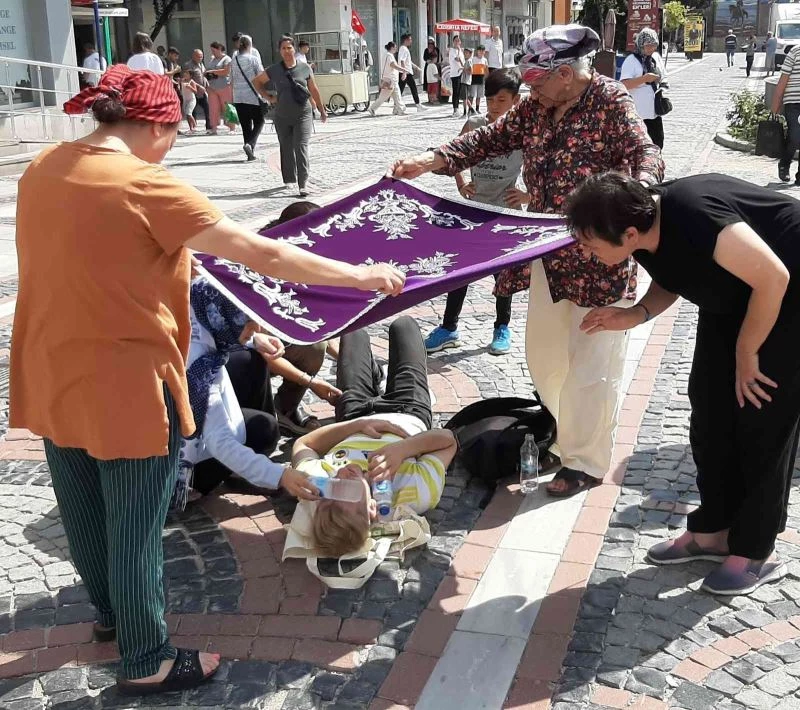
point(385, 25)
point(332, 15)
point(212, 20)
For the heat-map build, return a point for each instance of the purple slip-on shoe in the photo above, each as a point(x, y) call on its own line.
point(670, 552)
point(721, 581)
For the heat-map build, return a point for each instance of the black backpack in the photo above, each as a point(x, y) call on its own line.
point(491, 432)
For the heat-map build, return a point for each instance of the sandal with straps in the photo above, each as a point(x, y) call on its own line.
point(186, 673)
point(576, 481)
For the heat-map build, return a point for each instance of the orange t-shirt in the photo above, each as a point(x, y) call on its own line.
point(102, 315)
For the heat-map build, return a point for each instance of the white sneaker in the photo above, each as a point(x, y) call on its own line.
point(421, 107)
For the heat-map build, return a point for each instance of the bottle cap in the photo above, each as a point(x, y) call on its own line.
point(384, 510)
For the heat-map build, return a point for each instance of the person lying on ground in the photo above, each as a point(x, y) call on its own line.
point(376, 437)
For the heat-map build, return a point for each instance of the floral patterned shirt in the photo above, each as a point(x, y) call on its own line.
point(600, 132)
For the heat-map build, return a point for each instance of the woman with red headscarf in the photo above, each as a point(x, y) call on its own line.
point(101, 335)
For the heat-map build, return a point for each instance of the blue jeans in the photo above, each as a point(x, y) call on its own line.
point(792, 114)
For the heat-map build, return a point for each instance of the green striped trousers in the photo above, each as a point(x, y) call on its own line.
point(113, 513)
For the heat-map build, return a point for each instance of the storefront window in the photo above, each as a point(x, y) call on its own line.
point(184, 29)
point(15, 78)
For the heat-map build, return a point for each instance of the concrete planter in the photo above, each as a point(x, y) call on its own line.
point(728, 141)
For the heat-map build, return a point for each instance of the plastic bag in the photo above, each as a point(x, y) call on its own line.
point(230, 115)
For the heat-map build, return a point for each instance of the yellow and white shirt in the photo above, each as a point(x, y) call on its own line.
point(419, 481)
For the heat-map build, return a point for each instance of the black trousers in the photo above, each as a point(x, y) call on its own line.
point(744, 456)
point(202, 104)
point(262, 435)
point(358, 375)
point(456, 81)
point(455, 302)
point(655, 129)
point(411, 83)
point(252, 121)
point(748, 63)
point(306, 358)
point(250, 377)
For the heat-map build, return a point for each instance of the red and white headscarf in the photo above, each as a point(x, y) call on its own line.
point(146, 96)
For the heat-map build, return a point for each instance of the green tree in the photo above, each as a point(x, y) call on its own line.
point(674, 17)
point(163, 9)
point(594, 14)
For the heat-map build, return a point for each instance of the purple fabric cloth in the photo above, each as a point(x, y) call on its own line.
point(440, 245)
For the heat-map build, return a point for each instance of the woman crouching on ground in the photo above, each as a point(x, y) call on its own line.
point(731, 248)
point(101, 334)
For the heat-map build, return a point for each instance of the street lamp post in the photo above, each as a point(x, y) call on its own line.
point(98, 33)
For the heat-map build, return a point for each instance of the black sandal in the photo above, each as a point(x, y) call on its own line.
point(186, 673)
point(104, 634)
point(298, 422)
point(576, 481)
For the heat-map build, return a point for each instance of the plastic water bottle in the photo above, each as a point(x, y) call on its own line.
point(347, 490)
point(529, 465)
point(382, 493)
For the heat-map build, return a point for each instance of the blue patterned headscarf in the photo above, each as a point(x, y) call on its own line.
point(225, 323)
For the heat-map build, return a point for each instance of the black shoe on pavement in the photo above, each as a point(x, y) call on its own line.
point(783, 174)
point(248, 150)
point(797, 180)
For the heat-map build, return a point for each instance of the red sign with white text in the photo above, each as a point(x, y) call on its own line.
point(641, 14)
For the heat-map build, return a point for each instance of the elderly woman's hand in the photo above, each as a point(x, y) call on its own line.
point(410, 168)
point(380, 277)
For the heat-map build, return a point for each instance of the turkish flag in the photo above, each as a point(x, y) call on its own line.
point(356, 24)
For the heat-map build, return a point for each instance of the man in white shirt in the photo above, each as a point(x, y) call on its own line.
point(93, 60)
point(494, 50)
point(407, 79)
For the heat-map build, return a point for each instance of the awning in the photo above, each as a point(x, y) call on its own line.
point(462, 26)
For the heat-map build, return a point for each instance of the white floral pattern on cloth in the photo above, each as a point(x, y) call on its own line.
point(437, 243)
point(394, 214)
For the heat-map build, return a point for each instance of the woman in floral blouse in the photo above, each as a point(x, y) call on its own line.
point(575, 123)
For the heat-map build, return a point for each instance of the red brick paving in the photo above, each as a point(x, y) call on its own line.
point(431, 633)
point(409, 674)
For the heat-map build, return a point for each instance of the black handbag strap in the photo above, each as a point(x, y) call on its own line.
point(249, 83)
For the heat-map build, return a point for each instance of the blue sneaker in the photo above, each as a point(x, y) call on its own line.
point(501, 341)
point(440, 339)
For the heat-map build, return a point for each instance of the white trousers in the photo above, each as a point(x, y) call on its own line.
point(577, 376)
point(384, 95)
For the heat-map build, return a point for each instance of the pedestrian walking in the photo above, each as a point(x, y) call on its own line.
point(112, 416)
point(492, 182)
point(389, 82)
point(92, 60)
point(786, 100)
point(247, 74)
point(466, 83)
point(409, 68)
point(432, 72)
point(220, 91)
point(770, 49)
point(456, 62)
point(749, 52)
point(235, 44)
point(197, 71)
point(730, 47)
point(640, 74)
point(578, 376)
point(494, 50)
point(730, 247)
point(189, 91)
point(143, 57)
point(478, 70)
point(293, 117)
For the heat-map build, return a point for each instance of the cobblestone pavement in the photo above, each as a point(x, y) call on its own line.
point(610, 631)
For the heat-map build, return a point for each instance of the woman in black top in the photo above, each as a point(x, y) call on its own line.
point(731, 248)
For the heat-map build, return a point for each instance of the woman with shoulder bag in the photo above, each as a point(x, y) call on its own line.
point(294, 117)
point(390, 77)
point(247, 72)
point(641, 74)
